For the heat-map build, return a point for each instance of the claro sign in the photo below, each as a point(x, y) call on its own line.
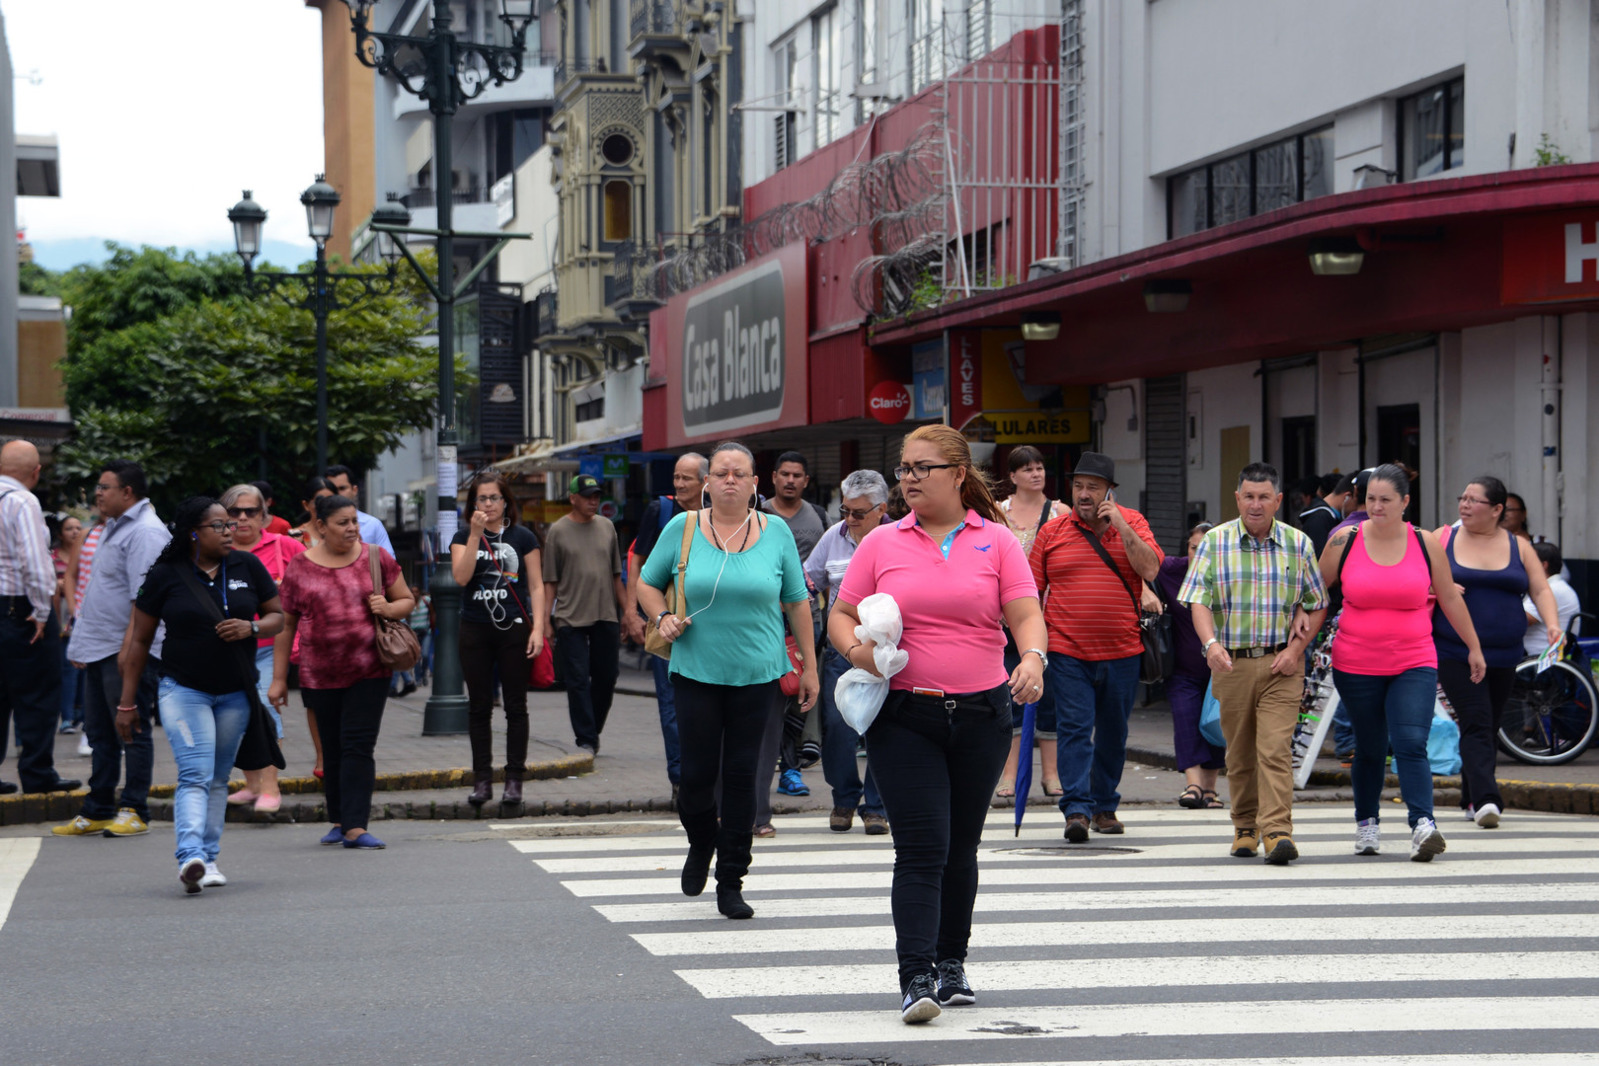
point(736, 352)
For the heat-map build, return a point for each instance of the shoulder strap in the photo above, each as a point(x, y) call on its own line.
point(1343, 557)
point(691, 519)
point(246, 672)
point(1044, 515)
point(199, 592)
point(1423, 546)
point(377, 569)
point(1099, 549)
point(494, 557)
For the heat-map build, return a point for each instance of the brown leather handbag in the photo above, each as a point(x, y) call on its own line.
point(676, 604)
point(398, 648)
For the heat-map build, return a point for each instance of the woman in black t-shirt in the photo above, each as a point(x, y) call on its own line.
point(502, 624)
point(205, 690)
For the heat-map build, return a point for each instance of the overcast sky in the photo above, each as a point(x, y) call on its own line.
point(165, 111)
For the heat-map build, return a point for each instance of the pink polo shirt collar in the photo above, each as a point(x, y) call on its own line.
point(973, 519)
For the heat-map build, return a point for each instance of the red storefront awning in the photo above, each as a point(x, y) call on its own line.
point(1442, 255)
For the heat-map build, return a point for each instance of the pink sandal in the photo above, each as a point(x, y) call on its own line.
point(241, 797)
point(268, 804)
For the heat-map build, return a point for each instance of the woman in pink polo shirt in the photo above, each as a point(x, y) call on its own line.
point(938, 745)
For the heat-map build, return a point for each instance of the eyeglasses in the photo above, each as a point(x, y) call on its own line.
point(106, 487)
point(1515, 510)
point(920, 471)
point(728, 475)
point(859, 516)
point(219, 526)
point(1471, 500)
point(484, 497)
point(244, 512)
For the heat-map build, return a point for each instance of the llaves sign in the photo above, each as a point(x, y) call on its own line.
point(736, 351)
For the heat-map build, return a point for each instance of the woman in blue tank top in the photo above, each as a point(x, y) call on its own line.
point(1494, 570)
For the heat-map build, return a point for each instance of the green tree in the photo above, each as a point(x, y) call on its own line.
point(171, 363)
point(35, 280)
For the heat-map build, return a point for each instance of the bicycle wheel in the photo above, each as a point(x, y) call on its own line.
point(1550, 717)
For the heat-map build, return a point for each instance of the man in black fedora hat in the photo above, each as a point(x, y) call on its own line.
point(1095, 559)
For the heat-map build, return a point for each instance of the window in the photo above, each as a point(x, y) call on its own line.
point(927, 42)
point(1274, 175)
point(787, 62)
point(827, 33)
point(589, 410)
point(866, 72)
point(979, 28)
point(517, 135)
point(618, 211)
point(1432, 130)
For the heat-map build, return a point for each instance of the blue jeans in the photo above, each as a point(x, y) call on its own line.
point(1395, 710)
point(1092, 701)
point(71, 691)
point(204, 731)
point(839, 743)
point(666, 704)
point(263, 681)
point(1343, 730)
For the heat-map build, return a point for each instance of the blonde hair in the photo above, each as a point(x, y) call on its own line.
point(977, 492)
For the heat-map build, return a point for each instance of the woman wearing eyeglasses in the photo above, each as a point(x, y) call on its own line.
point(502, 624)
point(341, 677)
point(1494, 569)
point(205, 703)
point(728, 654)
point(244, 506)
point(939, 743)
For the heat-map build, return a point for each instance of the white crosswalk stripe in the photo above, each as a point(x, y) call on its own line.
point(1103, 953)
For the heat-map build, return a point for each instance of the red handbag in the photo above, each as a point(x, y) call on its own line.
point(790, 682)
point(541, 675)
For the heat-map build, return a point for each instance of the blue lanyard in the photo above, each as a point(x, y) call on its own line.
point(222, 580)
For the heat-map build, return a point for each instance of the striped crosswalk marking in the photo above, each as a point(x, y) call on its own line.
point(16, 859)
point(1135, 940)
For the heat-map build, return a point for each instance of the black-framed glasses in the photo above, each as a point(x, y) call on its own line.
point(484, 497)
point(919, 471)
point(859, 516)
point(244, 512)
point(219, 526)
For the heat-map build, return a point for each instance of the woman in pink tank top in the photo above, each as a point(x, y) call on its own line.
point(1384, 662)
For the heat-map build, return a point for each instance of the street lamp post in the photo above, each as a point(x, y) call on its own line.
point(446, 71)
point(315, 290)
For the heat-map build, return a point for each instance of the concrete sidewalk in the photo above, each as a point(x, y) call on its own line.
point(427, 777)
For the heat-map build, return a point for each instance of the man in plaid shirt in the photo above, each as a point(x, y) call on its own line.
point(1257, 598)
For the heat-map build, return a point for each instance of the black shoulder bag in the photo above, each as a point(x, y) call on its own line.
point(259, 746)
point(1159, 660)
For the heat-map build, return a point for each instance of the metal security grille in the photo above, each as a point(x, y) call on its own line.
point(1072, 129)
point(999, 124)
point(1165, 462)
point(500, 390)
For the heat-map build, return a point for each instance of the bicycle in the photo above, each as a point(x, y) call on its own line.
point(1551, 717)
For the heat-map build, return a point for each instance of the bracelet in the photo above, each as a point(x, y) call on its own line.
point(133, 707)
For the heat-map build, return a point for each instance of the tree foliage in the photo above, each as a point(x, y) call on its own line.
point(172, 363)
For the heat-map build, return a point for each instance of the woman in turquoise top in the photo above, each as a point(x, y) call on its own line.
point(728, 654)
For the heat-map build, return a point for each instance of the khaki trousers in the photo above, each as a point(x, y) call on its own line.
point(1258, 712)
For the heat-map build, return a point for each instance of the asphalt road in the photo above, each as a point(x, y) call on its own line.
point(568, 943)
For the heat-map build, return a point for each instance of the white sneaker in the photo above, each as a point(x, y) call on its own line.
point(83, 745)
point(213, 878)
point(189, 874)
point(1426, 841)
point(1367, 837)
point(1470, 813)
point(1487, 816)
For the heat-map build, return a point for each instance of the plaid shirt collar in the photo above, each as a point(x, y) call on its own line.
point(1251, 543)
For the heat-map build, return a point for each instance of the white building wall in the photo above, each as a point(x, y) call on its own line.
point(8, 224)
point(1224, 398)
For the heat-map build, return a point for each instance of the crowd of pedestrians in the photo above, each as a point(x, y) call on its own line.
point(1010, 603)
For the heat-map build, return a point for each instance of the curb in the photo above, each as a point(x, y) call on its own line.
point(33, 807)
point(1543, 796)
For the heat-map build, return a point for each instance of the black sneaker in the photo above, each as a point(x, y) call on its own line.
point(953, 990)
point(921, 1000)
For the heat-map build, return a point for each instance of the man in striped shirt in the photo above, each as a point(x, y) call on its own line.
point(1093, 562)
point(30, 632)
point(1257, 598)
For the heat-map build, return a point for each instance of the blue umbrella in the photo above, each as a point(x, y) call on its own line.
point(1024, 762)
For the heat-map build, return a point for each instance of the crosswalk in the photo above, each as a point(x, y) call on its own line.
point(1151, 947)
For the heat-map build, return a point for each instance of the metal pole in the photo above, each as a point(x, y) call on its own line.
point(445, 711)
point(319, 310)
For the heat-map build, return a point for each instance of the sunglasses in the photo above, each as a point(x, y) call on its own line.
point(244, 512)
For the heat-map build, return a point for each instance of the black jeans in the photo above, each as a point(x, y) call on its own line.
point(483, 647)
point(348, 720)
point(589, 664)
point(719, 730)
point(1479, 709)
point(30, 690)
point(936, 771)
point(102, 692)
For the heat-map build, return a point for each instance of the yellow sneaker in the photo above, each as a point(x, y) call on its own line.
point(126, 824)
point(81, 827)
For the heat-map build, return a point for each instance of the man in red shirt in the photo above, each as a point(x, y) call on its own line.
point(1095, 560)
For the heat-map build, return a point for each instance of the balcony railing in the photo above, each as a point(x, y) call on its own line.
point(633, 276)
point(571, 68)
point(661, 17)
point(429, 197)
point(544, 313)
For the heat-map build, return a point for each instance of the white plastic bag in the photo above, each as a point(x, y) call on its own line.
point(860, 693)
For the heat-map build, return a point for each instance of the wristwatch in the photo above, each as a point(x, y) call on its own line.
point(1204, 649)
point(255, 628)
point(660, 616)
point(1043, 658)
